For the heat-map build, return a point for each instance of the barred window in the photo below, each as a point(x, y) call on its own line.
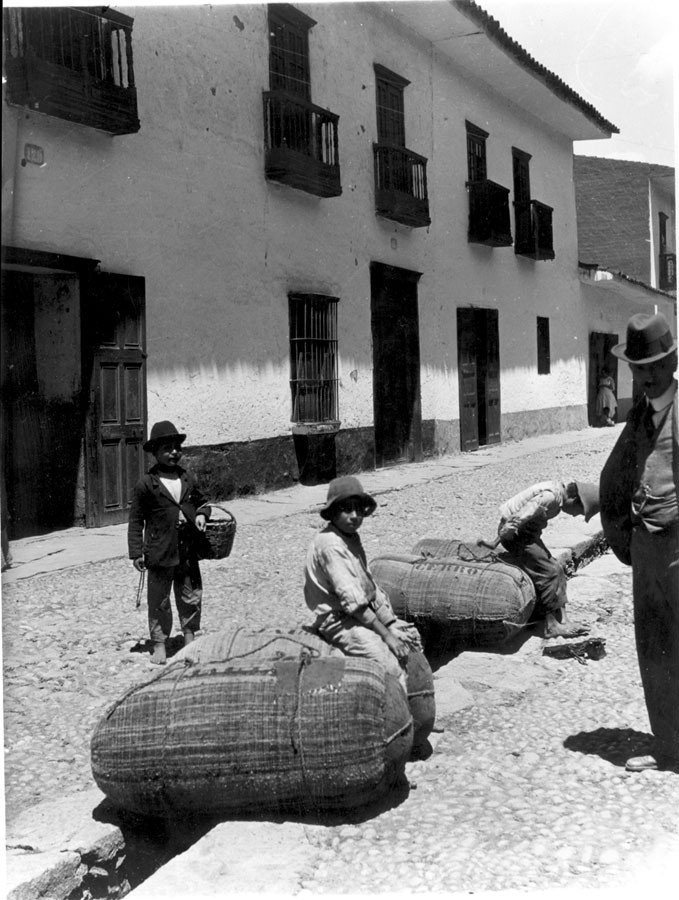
point(313, 357)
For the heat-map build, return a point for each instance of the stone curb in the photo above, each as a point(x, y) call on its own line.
point(76, 847)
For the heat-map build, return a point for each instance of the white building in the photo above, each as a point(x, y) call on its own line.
point(317, 238)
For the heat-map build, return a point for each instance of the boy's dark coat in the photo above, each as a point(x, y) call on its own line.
point(152, 531)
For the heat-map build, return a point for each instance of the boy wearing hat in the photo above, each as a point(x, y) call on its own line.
point(167, 510)
point(352, 611)
point(523, 519)
point(640, 518)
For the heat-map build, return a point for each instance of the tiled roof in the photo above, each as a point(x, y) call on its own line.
point(494, 30)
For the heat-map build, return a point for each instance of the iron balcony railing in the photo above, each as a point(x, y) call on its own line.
point(401, 185)
point(74, 64)
point(667, 280)
point(301, 141)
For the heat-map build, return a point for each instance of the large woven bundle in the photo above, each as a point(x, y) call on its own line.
point(300, 733)
point(235, 642)
point(454, 600)
point(420, 681)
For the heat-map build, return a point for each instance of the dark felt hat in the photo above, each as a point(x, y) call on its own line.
point(341, 489)
point(589, 497)
point(163, 431)
point(648, 339)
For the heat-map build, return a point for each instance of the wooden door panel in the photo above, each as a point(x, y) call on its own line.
point(396, 364)
point(493, 410)
point(115, 335)
point(468, 380)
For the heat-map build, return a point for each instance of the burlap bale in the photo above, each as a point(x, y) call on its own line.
point(236, 642)
point(301, 733)
point(421, 700)
point(457, 601)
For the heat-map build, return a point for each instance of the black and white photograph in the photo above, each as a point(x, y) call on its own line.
point(340, 450)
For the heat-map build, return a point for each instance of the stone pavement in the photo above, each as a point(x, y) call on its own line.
point(525, 789)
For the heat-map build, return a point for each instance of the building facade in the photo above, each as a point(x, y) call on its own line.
point(626, 215)
point(317, 238)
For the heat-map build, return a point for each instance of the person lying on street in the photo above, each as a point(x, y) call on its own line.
point(352, 612)
point(166, 513)
point(523, 519)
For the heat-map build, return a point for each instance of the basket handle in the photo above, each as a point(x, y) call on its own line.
point(223, 509)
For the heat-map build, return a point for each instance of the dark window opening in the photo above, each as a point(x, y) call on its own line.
point(476, 153)
point(313, 358)
point(544, 358)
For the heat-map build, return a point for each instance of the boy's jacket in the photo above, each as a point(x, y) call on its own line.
point(152, 529)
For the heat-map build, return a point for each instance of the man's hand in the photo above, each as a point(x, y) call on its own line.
point(138, 563)
point(201, 522)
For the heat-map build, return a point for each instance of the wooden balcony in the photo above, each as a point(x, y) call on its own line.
point(301, 144)
point(667, 272)
point(534, 237)
point(401, 186)
point(489, 214)
point(72, 64)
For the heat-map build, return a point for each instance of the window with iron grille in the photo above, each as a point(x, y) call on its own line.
point(313, 358)
point(476, 152)
point(544, 356)
point(289, 50)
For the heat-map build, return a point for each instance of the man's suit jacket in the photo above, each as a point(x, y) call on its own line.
point(616, 484)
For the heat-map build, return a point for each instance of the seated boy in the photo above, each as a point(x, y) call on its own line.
point(523, 519)
point(352, 611)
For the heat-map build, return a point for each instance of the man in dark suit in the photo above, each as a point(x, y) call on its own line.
point(640, 518)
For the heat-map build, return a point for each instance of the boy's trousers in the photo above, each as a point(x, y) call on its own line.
point(546, 573)
point(188, 593)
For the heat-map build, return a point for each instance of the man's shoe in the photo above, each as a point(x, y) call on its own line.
point(641, 763)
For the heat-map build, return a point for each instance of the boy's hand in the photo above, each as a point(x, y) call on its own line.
point(397, 645)
point(139, 564)
point(200, 522)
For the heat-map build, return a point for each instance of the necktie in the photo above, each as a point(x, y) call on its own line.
point(649, 425)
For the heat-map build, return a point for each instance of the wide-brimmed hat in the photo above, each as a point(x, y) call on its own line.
point(163, 431)
point(589, 497)
point(648, 339)
point(341, 489)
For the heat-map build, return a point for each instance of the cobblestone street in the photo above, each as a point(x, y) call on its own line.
point(526, 787)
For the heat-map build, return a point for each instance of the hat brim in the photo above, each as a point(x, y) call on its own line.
point(150, 444)
point(620, 351)
point(369, 503)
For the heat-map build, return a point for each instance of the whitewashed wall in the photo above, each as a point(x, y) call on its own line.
point(185, 204)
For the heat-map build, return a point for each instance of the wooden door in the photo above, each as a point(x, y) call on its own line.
point(396, 364)
point(114, 352)
point(493, 433)
point(600, 357)
point(467, 379)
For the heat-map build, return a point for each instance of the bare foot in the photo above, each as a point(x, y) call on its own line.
point(553, 628)
point(158, 657)
point(188, 637)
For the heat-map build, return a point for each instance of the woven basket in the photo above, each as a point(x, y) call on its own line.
point(232, 736)
point(217, 539)
point(457, 600)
